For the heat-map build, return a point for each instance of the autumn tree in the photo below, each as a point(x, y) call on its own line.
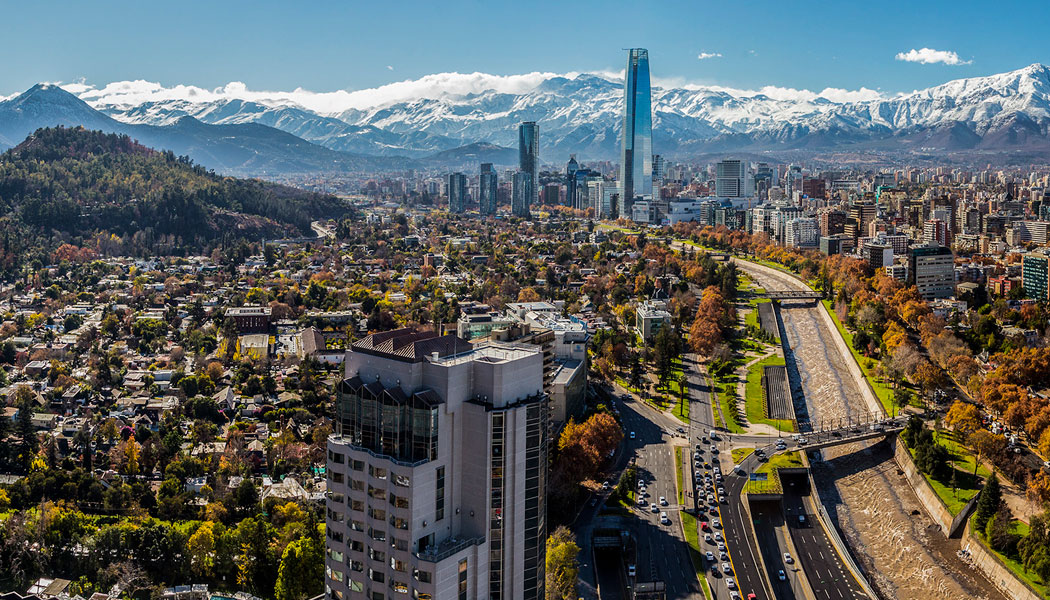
point(563, 566)
point(964, 418)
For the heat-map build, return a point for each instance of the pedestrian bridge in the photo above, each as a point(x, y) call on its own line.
point(818, 440)
point(790, 295)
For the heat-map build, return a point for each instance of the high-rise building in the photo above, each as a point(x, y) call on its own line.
point(529, 157)
point(570, 181)
point(437, 471)
point(636, 157)
point(877, 254)
point(932, 269)
point(457, 192)
point(733, 179)
point(1035, 269)
point(552, 194)
point(488, 190)
point(521, 195)
point(801, 232)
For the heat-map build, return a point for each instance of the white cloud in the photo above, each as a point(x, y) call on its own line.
point(707, 55)
point(929, 56)
point(389, 68)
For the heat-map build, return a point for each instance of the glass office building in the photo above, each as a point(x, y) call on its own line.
point(529, 159)
point(636, 160)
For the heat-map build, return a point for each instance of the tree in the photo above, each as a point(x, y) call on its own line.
point(963, 418)
point(988, 503)
point(301, 573)
point(562, 564)
point(29, 443)
point(201, 548)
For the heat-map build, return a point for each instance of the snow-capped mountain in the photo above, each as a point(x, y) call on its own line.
point(581, 114)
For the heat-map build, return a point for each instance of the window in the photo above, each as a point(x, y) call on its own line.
point(335, 555)
point(357, 485)
point(377, 576)
point(357, 525)
point(335, 535)
point(377, 514)
point(356, 565)
point(421, 576)
point(377, 595)
point(377, 534)
point(463, 579)
point(358, 465)
point(336, 477)
point(398, 565)
point(356, 586)
point(334, 574)
point(335, 457)
point(401, 480)
point(377, 493)
point(399, 587)
point(439, 495)
point(398, 522)
point(376, 472)
point(376, 555)
point(357, 546)
point(338, 498)
point(358, 505)
point(398, 501)
point(335, 517)
point(399, 544)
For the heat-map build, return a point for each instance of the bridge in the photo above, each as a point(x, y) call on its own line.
point(790, 295)
point(848, 434)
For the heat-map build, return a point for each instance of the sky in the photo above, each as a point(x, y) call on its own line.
point(889, 46)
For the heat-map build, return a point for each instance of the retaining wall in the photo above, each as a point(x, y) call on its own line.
point(996, 572)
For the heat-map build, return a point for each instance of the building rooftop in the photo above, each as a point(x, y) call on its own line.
point(410, 344)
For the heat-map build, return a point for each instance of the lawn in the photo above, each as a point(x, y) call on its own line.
point(678, 474)
point(739, 454)
point(966, 485)
point(882, 391)
point(692, 537)
point(726, 391)
point(754, 396)
point(1012, 562)
point(772, 484)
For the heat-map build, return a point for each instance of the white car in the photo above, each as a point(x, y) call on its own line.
point(710, 556)
point(653, 508)
point(788, 559)
point(730, 583)
point(664, 520)
point(718, 536)
point(721, 547)
point(641, 500)
point(663, 501)
point(727, 568)
point(707, 538)
point(716, 523)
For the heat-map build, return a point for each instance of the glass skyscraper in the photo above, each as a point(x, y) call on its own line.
point(529, 160)
point(488, 188)
point(636, 160)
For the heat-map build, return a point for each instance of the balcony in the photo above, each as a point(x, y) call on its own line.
point(440, 551)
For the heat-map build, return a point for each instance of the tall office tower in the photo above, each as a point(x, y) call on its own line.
point(658, 175)
point(457, 192)
point(488, 190)
point(636, 159)
point(437, 471)
point(932, 270)
point(733, 179)
point(529, 157)
point(521, 195)
point(570, 181)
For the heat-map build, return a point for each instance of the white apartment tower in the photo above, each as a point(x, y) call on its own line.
point(437, 471)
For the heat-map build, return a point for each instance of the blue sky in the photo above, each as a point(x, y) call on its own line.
point(325, 46)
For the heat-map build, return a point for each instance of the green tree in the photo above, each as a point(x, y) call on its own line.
point(563, 565)
point(24, 428)
point(301, 573)
point(988, 503)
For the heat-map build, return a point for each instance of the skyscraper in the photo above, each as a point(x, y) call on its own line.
point(529, 157)
point(570, 181)
point(733, 179)
point(457, 192)
point(521, 195)
point(437, 471)
point(636, 159)
point(488, 188)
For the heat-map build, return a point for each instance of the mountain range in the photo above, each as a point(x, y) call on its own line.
point(998, 117)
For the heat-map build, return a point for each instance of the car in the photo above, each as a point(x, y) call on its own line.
point(632, 435)
point(730, 583)
point(727, 568)
point(802, 441)
point(710, 556)
point(781, 575)
point(721, 546)
point(605, 485)
point(801, 520)
point(708, 538)
point(721, 490)
point(707, 465)
point(716, 524)
point(696, 455)
point(733, 595)
point(664, 520)
point(752, 596)
point(705, 527)
point(641, 483)
point(714, 510)
point(722, 499)
point(788, 559)
point(704, 439)
point(641, 500)
point(718, 536)
point(724, 555)
point(663, 501)
point(696, 465)
point(631, 571)
point(653, 508)
point(718, 478)
point(680, 430)
point(714, 449)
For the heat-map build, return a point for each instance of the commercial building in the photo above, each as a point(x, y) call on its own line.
point(457, 192)
point(733, 179)
point(636, 156)
point(932, 269)
point(877, 255)
point(250, 319)
point(529, 159)
point(437, 471)
point(488, 190)
point(1034, 275)
point(650, 317)
point(801, 232)
point(521, 195)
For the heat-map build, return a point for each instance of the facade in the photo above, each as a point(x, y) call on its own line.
point(521, 195)
point(877, 255)
point(250, 319)
point(488, 190)
point(932, 270)
point(650, 317)
point(733, 179)
point(1034, 276)
point(457, 192)
point(570, 181)
point(437, 471)
point(529, 159)
point(802, 232)
point(636, 156)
